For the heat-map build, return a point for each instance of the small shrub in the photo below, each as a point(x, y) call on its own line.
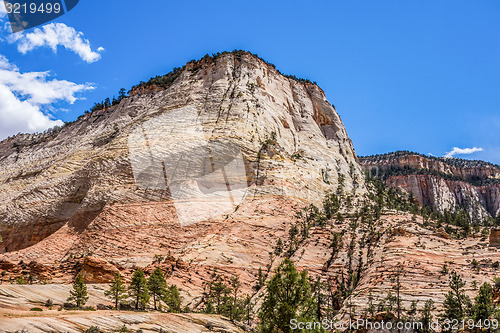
point(296, 156)
point(20, 280)
point(93, 329)
point(69, 306)
point(496, 264)
point(49, 303)
point(124, 329)
point(475, 264)
point(103, 307)
point(36, 309)
point(474, 284)
point(496, 282)
point(158, 258)
point(126, 306)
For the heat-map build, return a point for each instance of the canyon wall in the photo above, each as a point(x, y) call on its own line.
point(441, 183)
point(291, 139)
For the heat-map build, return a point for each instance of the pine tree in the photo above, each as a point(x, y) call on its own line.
point(261, 279)
point(426, 315)
point(248, 309)
point(122, 94)
point(236, 310)
point(288, 297)
point(172, 298)
point(396, 279)
point(413, 309)
point(117, 290)
point(219, 292)
point(138, 289)
point(456, 304)
point(279, 247)
point(79, 292)
point(331, 205)
point(157, 285)
point(221, 297)
point(483, 305)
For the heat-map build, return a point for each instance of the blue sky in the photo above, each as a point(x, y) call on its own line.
point(420, 75)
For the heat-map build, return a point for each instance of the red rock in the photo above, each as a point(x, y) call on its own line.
point(495, 237)
point(97, 270)
point(442, 233)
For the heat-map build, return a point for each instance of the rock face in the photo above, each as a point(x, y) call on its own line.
point(97, 270)
point(206, 173)
point(444, 184)
point(495, 237)
point(291, 140)
point(465, 169)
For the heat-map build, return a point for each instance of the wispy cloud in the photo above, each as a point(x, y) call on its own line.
point(4, 24)
point(36, 87)
point(57, 34)
point(24, 95)
point(462, 151)
point(3, 13)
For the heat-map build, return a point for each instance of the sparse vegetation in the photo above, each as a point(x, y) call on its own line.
point(157, 286)
point(78, 294)
point(172, 299)
point(221, 296)
point(456, 304)
point(93, 329)
point(289, 296)
point(117, 290)
point(138, 290)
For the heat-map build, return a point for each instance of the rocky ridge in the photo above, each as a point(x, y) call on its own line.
point(72, 201)
point(292, 140)
point(442, 183)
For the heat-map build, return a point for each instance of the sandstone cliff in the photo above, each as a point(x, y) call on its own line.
point(291, 140)
point(206, 168)
point(442, 183)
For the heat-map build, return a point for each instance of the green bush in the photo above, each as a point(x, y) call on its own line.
point(93, 329)
point(36, 309)
point(20, 280)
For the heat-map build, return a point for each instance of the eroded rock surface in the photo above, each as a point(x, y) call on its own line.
point(442, 183)
point(74, 202)
point(292, 140)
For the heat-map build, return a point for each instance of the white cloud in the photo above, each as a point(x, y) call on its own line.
point(3, 13)
point(21, 116)
point(4, 26)
point(57, 34)
point(35, 86)
point(462, 151)
point(24, 95)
